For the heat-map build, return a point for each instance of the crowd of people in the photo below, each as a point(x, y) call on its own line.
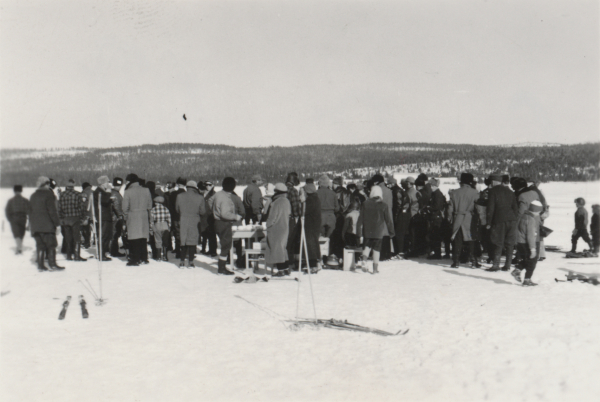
point(391, 220)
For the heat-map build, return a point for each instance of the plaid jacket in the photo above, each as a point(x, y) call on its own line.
point(294, 199)
point(161, 214)
point(70, 204)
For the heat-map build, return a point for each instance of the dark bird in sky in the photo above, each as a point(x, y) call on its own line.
point(184, 118)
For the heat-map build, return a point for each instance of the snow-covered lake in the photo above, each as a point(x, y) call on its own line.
point(168, 334)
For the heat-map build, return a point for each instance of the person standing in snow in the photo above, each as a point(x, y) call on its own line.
point(16, 214)
point(412, 207)
point(44, 220)
point(137, 207)
point(223, 208)
point(460, 210)
point(437, 204)
point(102, 199)
point(86, 197)
point(374, 218)
point(278, 228)
point(528, 241)
point(190, 207)
point(71, 211)
point(253, 200)
point(501, 218)
point(161, 224)
point(595, 227)
point(209, 236)
point(117, 217)
point(178, 189)
point(312, 226)
point(581, 222)
point(343, 200)
point(329, 206)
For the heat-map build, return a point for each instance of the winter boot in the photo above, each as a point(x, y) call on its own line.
point(527, 282)
point(475, 263)
point(106, 258)
point(40, 254)
point(181, 264)
point(158, 255)
point(165, 257)
point(78, 253)
point(52, 260)
point(516, 273)
point(19, 246)
point(375, 270)
point(222, 268)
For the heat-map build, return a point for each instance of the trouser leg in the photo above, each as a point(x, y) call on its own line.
point(457, 246)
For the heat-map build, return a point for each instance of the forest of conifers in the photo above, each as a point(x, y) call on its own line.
point(166, 162)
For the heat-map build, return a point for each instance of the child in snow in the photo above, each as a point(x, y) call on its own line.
point(581, 222)
point(595, 227)
point(350, 221)
point(528, 241)
point(161, 222)
point(374, 215)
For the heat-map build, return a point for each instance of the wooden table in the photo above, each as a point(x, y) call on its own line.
point(256, 233)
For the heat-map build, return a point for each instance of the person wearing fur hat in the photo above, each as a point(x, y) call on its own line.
point(460, 211)
point(329, 206)
point(44, 220)
point(224, 211)
point(253, 200)
point(581, 222)
point(374, 220)
point(71, 212)
point(501, 221)
point(117, 215)
point(102, 198)
point(276, 254)
point(161, 224)
point(137, 207)
point(16, 214)
point(528, 241)
point(190, 208)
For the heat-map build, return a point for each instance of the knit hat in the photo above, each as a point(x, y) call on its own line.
point(292, 177)
point(536, 206)
point(229, 184)
point(132, 178)
point(18, 188)
point(310, 188)
point(466, 178)
point(117, 181)
point(71, 183)
point(256, 178)
point(410, 179)
point(41, 181)
point(192, 184)
point(281, 188)
point(324, 181)
point(376, 192)
point(339, 181)
point(269, 190)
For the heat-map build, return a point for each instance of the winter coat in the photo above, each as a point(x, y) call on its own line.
point(17, 209)
point(329, 201)
point(343, 197)
point(190, 207)
point(137, 205)
point(223, 207)
point(595, 226)
point(413, 197)
point(528, 230)
point(102, 197)
point(86, 197)
point(437, 205)
point(502, 206)
point(173, 204)
point(388, 200)
point(525, 198)
point(581, 218)
point(481, 206)
point(461, 209)
point(252, 199)
point(374, 220)
point(312, 226)
point(43, 215)
point(239, 205)
point(278, 230)
point(425, 195)
point(117, 205)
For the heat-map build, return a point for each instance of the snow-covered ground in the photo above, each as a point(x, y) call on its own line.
point(167, 334)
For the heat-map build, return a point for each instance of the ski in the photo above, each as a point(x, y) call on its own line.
point(346, 326)
point(84, 312)
point(63, 312)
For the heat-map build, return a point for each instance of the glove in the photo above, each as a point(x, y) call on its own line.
point(533, 253)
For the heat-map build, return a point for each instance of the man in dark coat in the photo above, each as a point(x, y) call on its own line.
point(460, 210)
point(413, 199)
point(435, 212)
point(253, 200)
point(190, 207)
point(209, 236)
point(312, 225)
point(502, 211)
point(44, 221)
point(181, 182)
point(117, 216)
point(343, 200)
point(16, 214)
point(137, 210)
point(329, 206)
point(71, 211)
point(86, 197)
point(293, 197)
point(102, 197)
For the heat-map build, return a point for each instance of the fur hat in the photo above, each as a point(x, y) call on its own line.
point(595, 206)
point(423, 177)
point(18, 188)
point(117, 181)
point(229, 184)
point(41, 181)
point(466, 178)
point(281, 188)
point(419, 182)
point(518, 183)
point(496, 177)
point(181, 180)
point(324, 181)
point(132, 178)
point(192, 184)
point(310, 188)
point(536, 206)
point(377, 178)
point(292, 177)
point(376, 192)
point(85, 185)
point(339, 181)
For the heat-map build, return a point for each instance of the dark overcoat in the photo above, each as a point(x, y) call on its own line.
point(278, 230)
point(190, 207)
point(461, 209)
point(43, 216)
point(137, 205)
point(312, 226)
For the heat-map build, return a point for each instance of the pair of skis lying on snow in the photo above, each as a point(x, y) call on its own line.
point(63, 312)
point(581, 278)
point(342, 325)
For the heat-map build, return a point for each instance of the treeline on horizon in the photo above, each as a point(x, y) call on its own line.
point(166, 162)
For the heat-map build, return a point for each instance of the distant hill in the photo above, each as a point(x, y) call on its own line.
point(165, 162)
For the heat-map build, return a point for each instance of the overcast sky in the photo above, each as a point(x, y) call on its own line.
point(257, 73)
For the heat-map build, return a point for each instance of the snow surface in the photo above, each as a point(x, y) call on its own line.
point(167, 334)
